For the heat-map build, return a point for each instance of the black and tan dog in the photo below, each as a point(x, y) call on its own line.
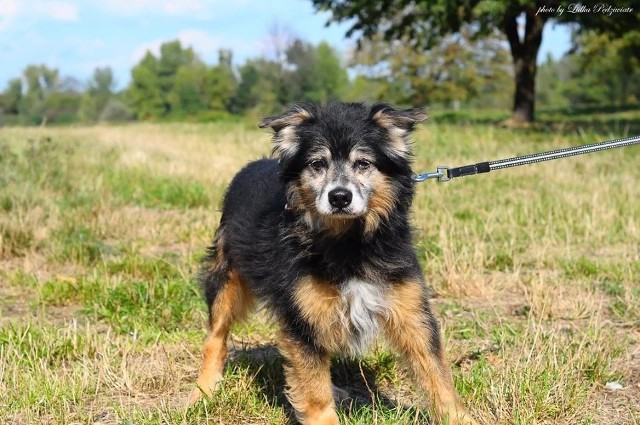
point(320, 236)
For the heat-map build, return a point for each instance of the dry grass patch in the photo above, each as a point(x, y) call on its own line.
point(536, 270)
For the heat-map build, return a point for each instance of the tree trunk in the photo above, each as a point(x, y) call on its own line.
point(524, 53)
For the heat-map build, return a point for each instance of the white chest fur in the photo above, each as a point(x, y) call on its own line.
point(363, 305)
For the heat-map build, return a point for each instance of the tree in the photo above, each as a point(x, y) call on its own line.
point(219, 86)
point(370, 89)
point(243, 98)
point(61, 106)
point(145, 93)
point(152, 79)
point(115, 110)
point(186, 94)
point(264, 87)
point(612, 63)
point(102, 81)
point(332, 78)
point(178, 83)
point(302, 76)
point(424, 23)
point(12, 97)
point(458, 69)
point(225, 58)
point(98, 92)
point(599, 72)
point(42, 82)
point(199, 87)
point(269, 93)
point(314, 73)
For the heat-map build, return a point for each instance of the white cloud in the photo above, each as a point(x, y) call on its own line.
point(196, 9)
point(183, 7)
point(149, 46)
point(163, 7)
point(203, 43)
point(62, 11)
point(9, 10)
point(12, 11)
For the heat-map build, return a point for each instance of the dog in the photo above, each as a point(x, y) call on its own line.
point(320, 236)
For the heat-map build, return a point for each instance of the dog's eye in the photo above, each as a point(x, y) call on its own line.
point(318, 164)
point(362, 164)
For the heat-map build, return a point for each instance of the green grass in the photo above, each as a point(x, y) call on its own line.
point(536, 272)
point(137, 187)
point(146, 306)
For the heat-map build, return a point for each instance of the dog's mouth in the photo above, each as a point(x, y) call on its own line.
point(346, 213)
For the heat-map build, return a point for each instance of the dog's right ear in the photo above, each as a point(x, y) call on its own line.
point(294, 116)
point(285, 138)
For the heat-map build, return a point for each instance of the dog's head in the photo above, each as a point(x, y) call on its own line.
point(345, 162)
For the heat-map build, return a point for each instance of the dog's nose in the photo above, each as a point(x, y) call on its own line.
point(340, 197)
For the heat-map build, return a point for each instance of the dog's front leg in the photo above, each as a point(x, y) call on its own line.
point(414, 333)
point(309, 388)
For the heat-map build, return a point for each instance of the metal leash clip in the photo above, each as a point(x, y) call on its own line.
point(441, 174)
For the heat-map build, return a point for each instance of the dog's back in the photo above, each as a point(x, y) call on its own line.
point(254, 198)
point(254, 193)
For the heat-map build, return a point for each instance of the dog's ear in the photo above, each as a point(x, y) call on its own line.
point(399, 123)
point(294, 116)
point(285, 138)
point(387, 116)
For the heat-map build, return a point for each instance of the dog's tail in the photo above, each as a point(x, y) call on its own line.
point(214, 269)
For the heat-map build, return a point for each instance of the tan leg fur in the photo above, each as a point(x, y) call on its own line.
point(409, 333)
point(232, 303)
point(309, 388)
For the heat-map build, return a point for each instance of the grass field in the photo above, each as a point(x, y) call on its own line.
point(536, 270)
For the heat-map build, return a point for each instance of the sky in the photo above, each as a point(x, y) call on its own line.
point(76, 36)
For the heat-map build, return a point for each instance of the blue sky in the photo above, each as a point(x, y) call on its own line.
point(76, 36)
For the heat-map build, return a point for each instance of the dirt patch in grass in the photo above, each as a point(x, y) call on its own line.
point(621, 406)
point(13, 304)
point(19, 285)
point(16, 307)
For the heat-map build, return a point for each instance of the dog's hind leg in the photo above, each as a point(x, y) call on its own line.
point(414, 333)
point(228, 299)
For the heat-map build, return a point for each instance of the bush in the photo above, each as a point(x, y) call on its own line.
point(115, 111)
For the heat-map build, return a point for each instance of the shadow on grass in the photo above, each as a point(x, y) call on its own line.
point(355, 376)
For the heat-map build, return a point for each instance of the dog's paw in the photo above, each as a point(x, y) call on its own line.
point(461, 418)
point(468, 420)
point(194, 396)
point(203, 389)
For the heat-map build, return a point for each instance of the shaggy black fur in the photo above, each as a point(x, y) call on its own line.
point(272, 246)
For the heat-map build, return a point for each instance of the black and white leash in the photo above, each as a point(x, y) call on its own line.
point(444, 174)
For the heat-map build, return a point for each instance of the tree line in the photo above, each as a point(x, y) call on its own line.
point(462, 70)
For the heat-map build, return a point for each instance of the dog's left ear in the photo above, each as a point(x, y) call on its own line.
point(387, 116)
point(398, 122)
